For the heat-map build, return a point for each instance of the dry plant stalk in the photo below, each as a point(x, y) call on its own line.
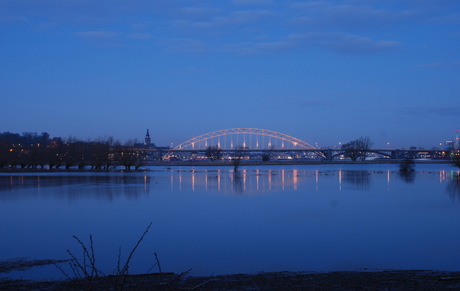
point(85, 268)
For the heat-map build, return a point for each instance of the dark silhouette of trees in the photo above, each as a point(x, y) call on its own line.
point(456, 159)
point(27, 150)
point(237, 157)
point(124, 155)
point(266, 157)
point(32, 150)
point(6, 157)
point(76, 154)
point(357, 149)
point(213, 153)
point(407, 166)
point(99, 155)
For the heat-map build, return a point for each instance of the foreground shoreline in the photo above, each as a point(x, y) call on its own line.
point(343, 280)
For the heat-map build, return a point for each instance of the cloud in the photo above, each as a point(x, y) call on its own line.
point(11, 19)
point(98, 34)
point(185, 45)
point(313, 103)
point(251, 2)
point(272, 47)
point(341, 43)
point(348, 43)
point(453, 35)
point(140, 35)
point(437, 65)
point(451, 110)
point(349, 16)
point(199, 12)
point(349, 27)
point(451, 18)
point(330, 100)
point(108, 37)
point(229, 23)
point(244, 16)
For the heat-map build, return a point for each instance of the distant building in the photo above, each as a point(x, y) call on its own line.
point(450, 145)
point(457, 139)
point(147, 142)
point(147, 139)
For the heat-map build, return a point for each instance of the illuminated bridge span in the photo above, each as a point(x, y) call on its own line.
point(248, 138)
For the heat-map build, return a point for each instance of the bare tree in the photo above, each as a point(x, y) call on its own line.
point(266, 157)
point(456, 158)
point(357, 149)
point(76, 154)
point(98, 155)
point(213, 153)
point(125, 156)
point(237, 157)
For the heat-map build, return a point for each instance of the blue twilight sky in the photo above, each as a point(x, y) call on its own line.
point(321, 71)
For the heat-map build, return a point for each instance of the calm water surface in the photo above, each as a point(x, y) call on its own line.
point(294, 218)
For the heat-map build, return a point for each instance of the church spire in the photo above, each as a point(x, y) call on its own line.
point(147, 138)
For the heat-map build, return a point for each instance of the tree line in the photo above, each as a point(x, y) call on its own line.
point(357, 149)
point(32, 150)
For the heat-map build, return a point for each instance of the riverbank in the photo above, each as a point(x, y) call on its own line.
point(362, 280)
point(220, 163)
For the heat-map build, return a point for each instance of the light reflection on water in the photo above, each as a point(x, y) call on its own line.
point(256, 181)
point(215, 221)
point(243, 181)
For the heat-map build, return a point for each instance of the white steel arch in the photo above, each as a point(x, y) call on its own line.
point(251, 131)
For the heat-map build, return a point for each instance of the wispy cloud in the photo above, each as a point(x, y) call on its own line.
point(184, 45)
point(450, 18)
point(352, 27)
point(251, 2)
point(436, 65)
point(199, 12)
point(244, 16)
point(350, 16)
point(341, 43)
point(312, 103)
point(451, 110)
point(141, 35)
point(103, 35)
point(11, 18)
point(98, 34)
point(346, 43)
point(308, 102)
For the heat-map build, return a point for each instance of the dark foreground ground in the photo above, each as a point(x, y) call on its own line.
point(383, 280)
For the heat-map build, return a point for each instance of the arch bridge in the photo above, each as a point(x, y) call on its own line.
point(245, 138)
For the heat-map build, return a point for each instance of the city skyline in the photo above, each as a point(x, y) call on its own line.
point(321, 71)
point(232, 138)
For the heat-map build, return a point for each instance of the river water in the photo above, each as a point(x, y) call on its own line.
point(214, 221)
